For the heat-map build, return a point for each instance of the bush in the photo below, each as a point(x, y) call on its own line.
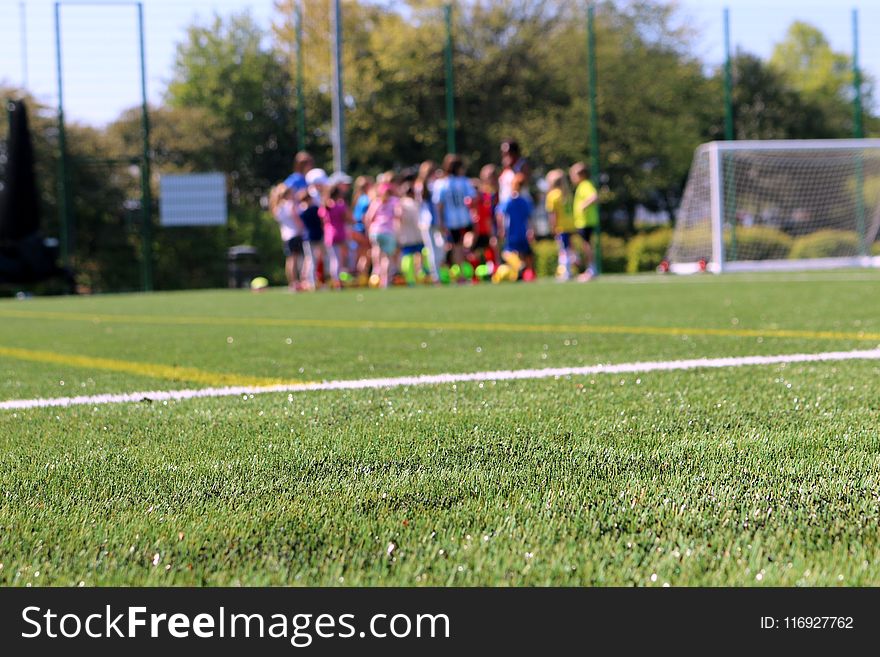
point(189, 257)
point(875, 249)
point(759, 243)
point(613, 254)
point(646, 251)
point(546, 257)
point(826, 244)
point(752, 243)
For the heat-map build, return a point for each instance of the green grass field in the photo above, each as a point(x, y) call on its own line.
point(757, 475)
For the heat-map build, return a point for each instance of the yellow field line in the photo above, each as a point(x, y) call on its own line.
point(451, 326)
point(152, 370)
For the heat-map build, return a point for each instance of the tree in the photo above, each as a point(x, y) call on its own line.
point(391, 81)
point(807, 61)
point(767, 107)
point(226, 71)
point(520, 72)
point(229, 108)
point(822, 77)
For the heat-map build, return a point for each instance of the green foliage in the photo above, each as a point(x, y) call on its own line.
point(243, 87)
point(190, 257)
point(646, 251)
point(546, 257)
point(821, 76)
point(257, 228)
point(759, 243)
point(826, 244)
point(806, 59)
point(747, 243)
point(182, 139)
point(875, 249)
point(196, 256)
point(613, 255)
point(766, 106)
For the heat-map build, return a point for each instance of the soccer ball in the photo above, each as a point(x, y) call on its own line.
point(504, 273)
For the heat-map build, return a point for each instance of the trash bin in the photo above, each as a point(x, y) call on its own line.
point(243, 265)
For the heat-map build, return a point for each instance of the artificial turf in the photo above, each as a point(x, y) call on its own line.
point(743, 476)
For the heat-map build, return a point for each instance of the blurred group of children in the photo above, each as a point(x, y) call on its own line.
point(431, 224)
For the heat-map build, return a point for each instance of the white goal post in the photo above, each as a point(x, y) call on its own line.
point(779, 205)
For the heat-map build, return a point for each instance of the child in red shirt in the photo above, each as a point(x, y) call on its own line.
point(484, 242)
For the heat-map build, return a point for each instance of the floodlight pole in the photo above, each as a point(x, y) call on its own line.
point(728, 80)
point(729, 134)
point(65, 229)
point(300, 104)
point(338, 109)
point(594, 125)
point(146, 196)
point(858, 133)
point(450, 82)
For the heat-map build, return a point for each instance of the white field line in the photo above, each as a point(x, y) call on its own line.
point(817, 276)
point(439, 379)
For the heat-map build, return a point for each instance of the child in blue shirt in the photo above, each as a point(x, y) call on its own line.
point(514, 215)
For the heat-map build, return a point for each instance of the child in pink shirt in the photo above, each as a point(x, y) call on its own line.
point(335, 215)
point(381, 221)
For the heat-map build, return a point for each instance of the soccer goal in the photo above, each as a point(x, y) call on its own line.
point(779, 205)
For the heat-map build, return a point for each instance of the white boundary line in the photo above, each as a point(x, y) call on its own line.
point(439, 379)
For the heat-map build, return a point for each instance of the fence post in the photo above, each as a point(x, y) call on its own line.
point(594, 127)
point(450, 82)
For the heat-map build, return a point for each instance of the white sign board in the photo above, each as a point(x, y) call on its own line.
point(192, 199)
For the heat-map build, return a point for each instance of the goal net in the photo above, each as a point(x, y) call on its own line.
point(784, 205)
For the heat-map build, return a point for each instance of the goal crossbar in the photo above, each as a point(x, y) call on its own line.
point(792, 144)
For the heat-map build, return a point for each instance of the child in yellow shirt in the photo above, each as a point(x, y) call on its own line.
point(558, 203)
point(586, 213)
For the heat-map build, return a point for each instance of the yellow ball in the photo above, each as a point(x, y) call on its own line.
point(502, 273)
point(375, 280)
point(259, 283)
point(512, 259)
